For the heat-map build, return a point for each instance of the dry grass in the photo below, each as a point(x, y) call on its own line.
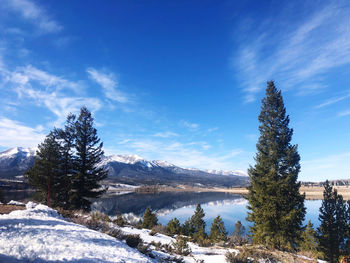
point(6, 209)
point(312, 192)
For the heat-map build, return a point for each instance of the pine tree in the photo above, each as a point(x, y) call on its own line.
point(238, 234)
point(173, 227)
point(149, 219)
point(66, 138)
point(217, 230)
point(45, 173)
point(333, 229)
point(239, 229)
point(308, 238)
point(197, 222)
point(276, 206)
point(85, 183)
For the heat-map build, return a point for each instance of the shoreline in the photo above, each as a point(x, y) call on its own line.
point(311, 192)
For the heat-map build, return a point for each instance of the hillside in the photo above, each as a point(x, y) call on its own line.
point(131, 169)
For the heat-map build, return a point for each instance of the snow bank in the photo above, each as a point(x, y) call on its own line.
point(15, 203)
point(40, 234)
point(207, 254)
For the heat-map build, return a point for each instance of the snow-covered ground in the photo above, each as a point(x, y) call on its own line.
point(208, 254)
point(40, 234)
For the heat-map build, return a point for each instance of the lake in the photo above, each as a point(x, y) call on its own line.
point(231, 207)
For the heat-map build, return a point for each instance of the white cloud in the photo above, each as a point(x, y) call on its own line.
point(298, 57)
point(50, 91)
point(24, 75)
point(332, 101)
point(213, 129)
point(35, 14)
point(189, 125)
point(14, 134)
point(344, 113)
point(165, 134)
point(59, 104)
point(109, 84)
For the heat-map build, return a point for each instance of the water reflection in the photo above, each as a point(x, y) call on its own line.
point(231, 207)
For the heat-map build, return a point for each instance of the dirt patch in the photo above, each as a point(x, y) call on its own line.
point(6, 209)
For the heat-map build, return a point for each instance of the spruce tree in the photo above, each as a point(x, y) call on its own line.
point(238, 234)
point(173, 227)
point(276, 207)
point(44, 175)
point(217, 230)
point(197, 222)
point(309, 241)
point(149, 219)
point(333, 229)
point(88, 148)
point(66, 138)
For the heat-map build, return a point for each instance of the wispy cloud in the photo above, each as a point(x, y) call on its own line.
point(59, 104)
point(50, 91)
point(34, 13)
point(332, 101)
point(24, 75)
point(109, 84)
point(344, 113)
point(14, 134)
point(165, 134)
point(213, 129)
point(298, 57)
point(189, 125)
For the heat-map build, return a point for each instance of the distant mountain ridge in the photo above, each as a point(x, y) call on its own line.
point(15, 161)
point(131, 169)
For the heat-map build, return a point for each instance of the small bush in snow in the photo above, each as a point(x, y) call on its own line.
point(97, 216)
point(144, 249)
point(181, 247)
point(239, 258)
point(116, 233)
point(119, 221)
point(158, 229)
point(133, 240)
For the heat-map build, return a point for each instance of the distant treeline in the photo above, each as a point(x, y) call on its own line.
point(341, 182)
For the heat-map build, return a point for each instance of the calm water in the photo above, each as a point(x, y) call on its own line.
point(230, 207)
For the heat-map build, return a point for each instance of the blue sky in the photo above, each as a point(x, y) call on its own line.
point(180, 81)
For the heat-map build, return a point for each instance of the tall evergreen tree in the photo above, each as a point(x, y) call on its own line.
point(218, 231)
point(333, 229)
point(45, 173)
point(66, 138)
point(197, 222)
point(86, 181)
point(276, 206)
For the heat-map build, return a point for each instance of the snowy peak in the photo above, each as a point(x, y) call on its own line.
point(163, 163)
point(16, 161)
point(18, 151)
point(223, 172)
point(128, 158)
point(129, 169)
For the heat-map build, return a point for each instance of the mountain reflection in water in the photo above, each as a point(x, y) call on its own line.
point(231, 207)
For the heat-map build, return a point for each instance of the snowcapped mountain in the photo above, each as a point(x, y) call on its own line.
point(133, 169)
point(15, 161)
point(130, 169)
